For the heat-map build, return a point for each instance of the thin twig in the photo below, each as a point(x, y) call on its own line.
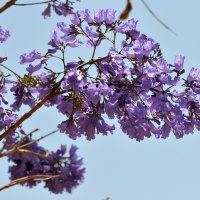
point(20, 149)
point(7, 5)
point(18, 143)
point(31, 4)
point(91, 62)
point(3, 147)
point(26, 151)
point(51, 133)
point(33, 110)
point(28, 178)
point(10, 70)
point(157, 18)
point(41, 138)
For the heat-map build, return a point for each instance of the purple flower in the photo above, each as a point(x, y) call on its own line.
point(86, 16)
point(23, 95)
point(109, 16)
point(126, 27)
point(162, 65)
point(7, 118)
point(71, 171)
point(179, 62)
point(150, 71)
point(70, 128)
point(137, 129)
point(69, 168)
point(193, 75)
point(75, 19)
point(31, 69)
point(146, 83)
point(67, 30)
point(2, 59)
point(47, 12)
point(166, 129)
point(91, 32)
point(31, 57)
point(93, 93)
point(55, 40)
point(62, 8)
point(99, 16)
point(89, 124)
point(4, 35)
point(73, 80)
point(75, 43)
point(67, 37)
point(111, 107)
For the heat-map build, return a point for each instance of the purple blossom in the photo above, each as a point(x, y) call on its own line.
point(62, 8)
point(7, 118)
point(109, 16)
point(146, 83)
point(93, 93)
point(31, 69)
point(131, 82)
point(89, 124)
point(86, 16)
point(162, 65)
point(47, 12)
point(193, 75)
point(68, 168)
point(67, 37)
point(31, 57)
point(4, 35)
point(2, 59)
point(179, 62)
point(99, 16)
point(91, 32)
point(73, 80)
point(23, 95)
point(70, 128)
point(75, 19)
point(127, 27)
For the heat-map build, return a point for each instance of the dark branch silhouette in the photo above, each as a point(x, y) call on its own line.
point(127, 10)
point(31, 4)
point(28, 178)
point(7, 5)
point(157, 18)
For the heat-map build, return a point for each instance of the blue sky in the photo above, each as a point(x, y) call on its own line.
point(117, 167)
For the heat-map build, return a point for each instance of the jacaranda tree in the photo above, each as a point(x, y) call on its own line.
point(131, 81)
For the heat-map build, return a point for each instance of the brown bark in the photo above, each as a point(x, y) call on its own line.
point(7, 5)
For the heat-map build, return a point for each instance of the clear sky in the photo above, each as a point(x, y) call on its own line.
point(117, 167)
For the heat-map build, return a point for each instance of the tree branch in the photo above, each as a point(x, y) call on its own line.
point(31, 4)
point(7, 5)
point(126, 11)
point(28, 178)
point(156, 17)
point(41, 103)
point(28, 114)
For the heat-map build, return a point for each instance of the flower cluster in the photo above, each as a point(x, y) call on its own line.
point(130, 82)
point(68, 168)
point(133, 82)
point(60, 8)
